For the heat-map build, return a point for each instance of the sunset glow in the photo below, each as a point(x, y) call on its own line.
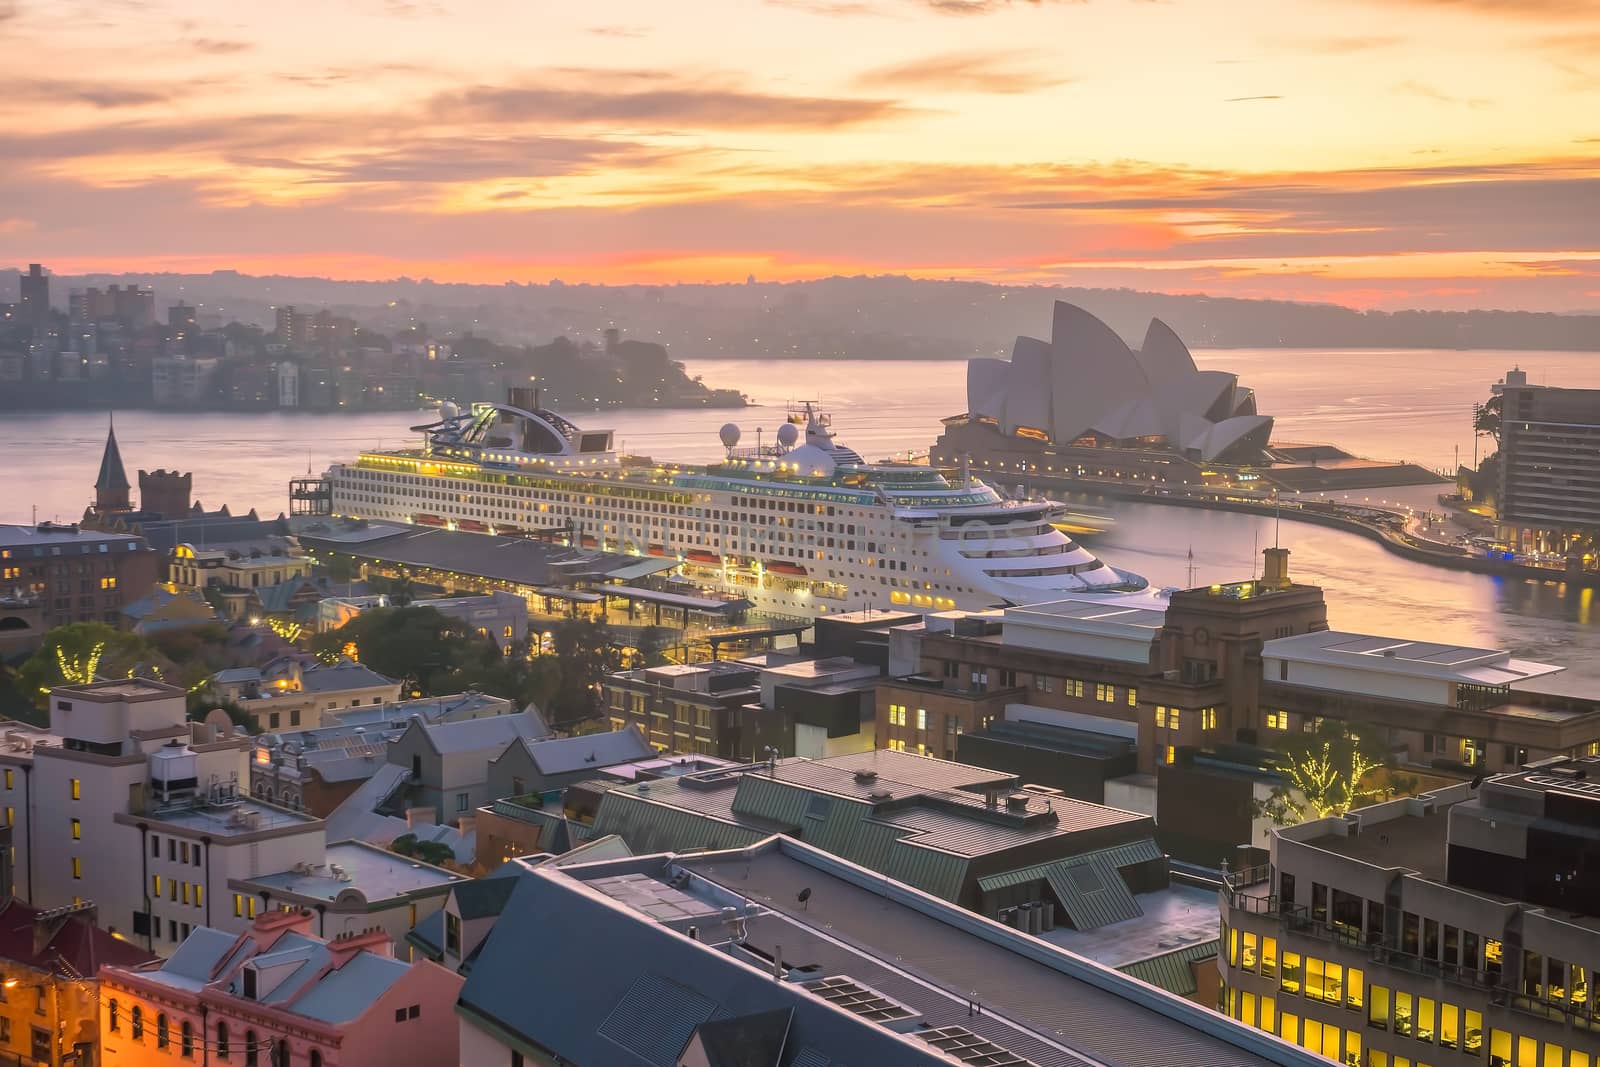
point(1431, 153)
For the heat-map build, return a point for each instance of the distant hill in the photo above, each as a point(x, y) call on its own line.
point(886, 317)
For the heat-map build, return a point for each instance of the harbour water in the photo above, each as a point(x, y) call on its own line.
point(1411, 405)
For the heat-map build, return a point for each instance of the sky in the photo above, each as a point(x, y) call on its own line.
point(1376, 153)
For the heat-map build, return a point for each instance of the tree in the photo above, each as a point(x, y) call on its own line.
point(651, 645)
point(427, 851)
point(419, 645)
point(1328, 771)
point(587, 653)
point(1486, 417)
point(79, 653)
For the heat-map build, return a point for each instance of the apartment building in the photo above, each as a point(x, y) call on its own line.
point(1549, 492)
point(1454, 927)
point(277, 994)
point(75, 575)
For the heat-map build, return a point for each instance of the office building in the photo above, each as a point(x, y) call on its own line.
point(1454, 927)
point(278, 994)
point(782, 954)
point(34, 307)
point(1549, 491)
point(296, 691)
point(76, 575)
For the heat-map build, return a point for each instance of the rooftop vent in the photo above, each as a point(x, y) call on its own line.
point(880, 794)
point(845, 992)
point(866, 775)
point(1017, 802)
point(968, 1047)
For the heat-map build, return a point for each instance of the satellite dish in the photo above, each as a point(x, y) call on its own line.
point(804, 896)
point(788, 434)
point(729, 435)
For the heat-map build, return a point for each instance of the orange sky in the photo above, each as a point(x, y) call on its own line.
point(1436, 153)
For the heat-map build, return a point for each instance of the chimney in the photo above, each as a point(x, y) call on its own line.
point(466, 824)
point(272, 924)
point(423, 816)
point(373, 939)
point(1276, 574)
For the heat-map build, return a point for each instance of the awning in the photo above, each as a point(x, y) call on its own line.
point(645, 566)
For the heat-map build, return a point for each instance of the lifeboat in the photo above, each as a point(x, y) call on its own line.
point(427, 520)
point(657, 550)
point(701, 556)
point(793, 570)
point(473, 526)
point(586, 541)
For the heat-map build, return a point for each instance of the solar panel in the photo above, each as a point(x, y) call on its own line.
point(854, 997)
point(968, 1047)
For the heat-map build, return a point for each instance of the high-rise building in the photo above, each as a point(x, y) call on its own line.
point(181, 316)
point(292, 327)
point(35, 303)
point(1455, 927)
point(1549, 465)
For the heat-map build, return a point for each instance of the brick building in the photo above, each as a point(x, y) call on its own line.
point(76, 575)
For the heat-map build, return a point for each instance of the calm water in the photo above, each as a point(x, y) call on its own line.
point(1413, 405)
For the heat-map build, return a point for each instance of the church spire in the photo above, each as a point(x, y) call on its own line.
point(111, 487)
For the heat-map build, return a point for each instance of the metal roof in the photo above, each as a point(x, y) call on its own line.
point(1092, 892)
point(567, 754)
point(1118, 855)
point(1172, 971)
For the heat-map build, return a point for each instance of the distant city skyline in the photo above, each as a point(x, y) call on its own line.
point(1373, 153)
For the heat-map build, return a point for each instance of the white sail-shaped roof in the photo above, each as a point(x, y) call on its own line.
point(1086, 380)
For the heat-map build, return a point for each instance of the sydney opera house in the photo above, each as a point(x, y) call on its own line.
point(1084, 393)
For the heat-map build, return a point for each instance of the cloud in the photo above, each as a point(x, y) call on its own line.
point(99, 95)
point(1518, 9)
point(656, 99)
point(966, 72)
point(828, 7)
point(1335, 45)
point(1428, 92)
point(985, 7)
point(215, 46)
point(619, 31)
point(1247, 99)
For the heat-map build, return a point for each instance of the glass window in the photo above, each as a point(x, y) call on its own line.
point(1314, 969)
point(1311, 1034)
point(1352, 1048)
point(1449, 1025)
point(1247, 958)
point(1333, 983)
point(1269, 957)
point(1425, 1009)
point(1527, 1052)
point(1494, 954)
point(1233, 948)
point(1291, 972)
point(1499, 1048)
point(1353, 990)
point(1378, 1007)
point(1404, 1014)
point(1289, 1028)
point(1269, 1014)
point(1247, 1008)
point(1579, 1058)
point(1473, 1039)
point(1554, 1055)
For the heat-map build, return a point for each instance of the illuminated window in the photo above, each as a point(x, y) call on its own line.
point(77, 789)
point(1173, 718)
point(238, 906)
point(108, 583)
point(1291, 972)
point(155, 885)
point(1277, 720)
point(1354, 990)
point(1449, 1025)
point(1161, 716)
point(1378, 1009)
point(9, 778)
point(1269, 957)
point(77, 827)
point(77, 867)
point(1172, 754)
point(1404, 1019)
point(922, 718)
point(1133, 697)
point(11, 816)
point(1208, 718)
point(1106, 694)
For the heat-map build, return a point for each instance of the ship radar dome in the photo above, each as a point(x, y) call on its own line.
point(448, 410)
point(788, 434)
point(729, 434)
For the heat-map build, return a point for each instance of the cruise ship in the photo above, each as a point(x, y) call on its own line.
point(802, 526)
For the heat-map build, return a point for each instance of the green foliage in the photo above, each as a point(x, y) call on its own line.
point(1486, 417)
point(77, 653)
point(1329, 770)
point(426, 851)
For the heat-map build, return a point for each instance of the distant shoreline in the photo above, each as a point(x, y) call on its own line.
point(1193, 348)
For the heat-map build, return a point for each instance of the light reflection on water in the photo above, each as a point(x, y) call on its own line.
point(1412, 405)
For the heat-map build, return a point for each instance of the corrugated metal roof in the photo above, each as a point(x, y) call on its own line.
point(1173, 971)
point(650, 827)
point(655, 1019)
point(1118, 856)
point(1092, 892)
point(930, 870)
point(766, 798)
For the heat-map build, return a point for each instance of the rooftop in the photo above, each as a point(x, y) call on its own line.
point(232, 820)
point(587, 752)
point(1179, 917)
point(492, 733)
point(868, 970)
point(1398, 655)
point(19, 539)
point(376, 874)
point(330, 678)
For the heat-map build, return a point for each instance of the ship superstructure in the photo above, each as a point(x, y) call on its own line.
point(801, 526)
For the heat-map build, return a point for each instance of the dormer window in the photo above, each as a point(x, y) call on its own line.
point(452, 934)
point(249, 978)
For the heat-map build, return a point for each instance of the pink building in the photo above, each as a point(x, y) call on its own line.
point(277, 996)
